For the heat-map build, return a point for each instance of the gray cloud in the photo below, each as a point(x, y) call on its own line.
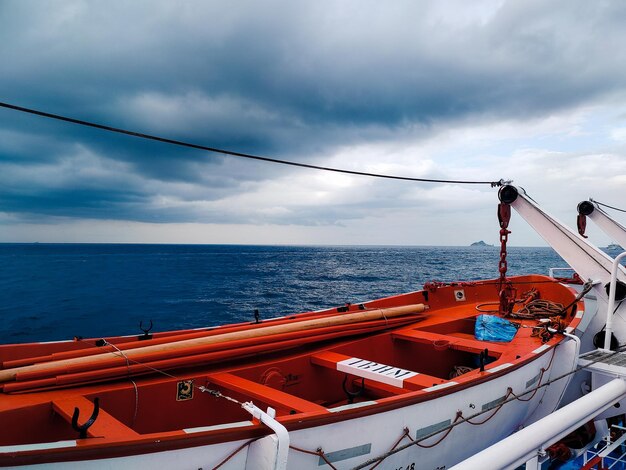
point(287, 79)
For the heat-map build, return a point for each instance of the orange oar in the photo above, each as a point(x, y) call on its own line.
point(159, 338)
point(233, 347)
point(135, 369)
point(96, 361)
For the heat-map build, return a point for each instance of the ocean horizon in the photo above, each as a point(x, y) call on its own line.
point(276, 245)
point(55, 291)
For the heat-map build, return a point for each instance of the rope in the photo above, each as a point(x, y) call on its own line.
point(235, 452)
point(458, 416)
point(535, 308)
point(232, 153)
point(384, 316)
point(405, 433)
point(218, 394)
point(606, 205)
point(119, 352)
point(106, 343)
point(542, 371)
point(510, 391)
point(495, 410)
point(539, 308)
point(461, 420)
point(319, 452)
point(459, 370)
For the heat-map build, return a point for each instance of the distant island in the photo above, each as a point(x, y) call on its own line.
point(480, 243)
point(614, 246)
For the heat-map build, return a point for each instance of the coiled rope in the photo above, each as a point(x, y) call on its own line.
point(535, 308)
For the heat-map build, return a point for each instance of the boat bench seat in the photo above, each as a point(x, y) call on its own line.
point(273, 397)
point(105, 424)
point(461, 342)
point(374, 371)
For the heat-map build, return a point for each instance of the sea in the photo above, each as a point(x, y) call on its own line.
point(61, 291)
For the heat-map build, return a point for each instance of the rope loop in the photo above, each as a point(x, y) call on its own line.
point(405, 433)
point(319, 452)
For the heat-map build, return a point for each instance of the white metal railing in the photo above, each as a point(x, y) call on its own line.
point(607, 454)
point(531, 441)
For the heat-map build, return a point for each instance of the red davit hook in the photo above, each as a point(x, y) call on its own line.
point(584, 209)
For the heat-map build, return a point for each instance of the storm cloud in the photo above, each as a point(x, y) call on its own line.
point(439, 89)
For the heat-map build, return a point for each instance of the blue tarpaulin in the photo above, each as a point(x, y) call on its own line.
point(493, 328)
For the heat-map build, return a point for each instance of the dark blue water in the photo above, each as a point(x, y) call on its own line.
point(58, 291)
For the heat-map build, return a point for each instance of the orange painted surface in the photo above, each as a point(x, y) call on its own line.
point(294, 372)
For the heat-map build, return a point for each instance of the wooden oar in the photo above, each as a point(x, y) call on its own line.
point(137, 353)
point(159, 338)
point(135, 369)
point(232, 347)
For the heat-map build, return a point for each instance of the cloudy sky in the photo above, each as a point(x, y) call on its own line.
point(533, 91)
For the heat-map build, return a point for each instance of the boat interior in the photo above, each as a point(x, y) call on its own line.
point(435, 354)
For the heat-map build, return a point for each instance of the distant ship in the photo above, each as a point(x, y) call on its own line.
point(614, 246)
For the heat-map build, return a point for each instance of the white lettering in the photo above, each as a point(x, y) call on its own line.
point(375, 371)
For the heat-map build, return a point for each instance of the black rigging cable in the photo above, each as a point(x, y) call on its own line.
point(606, 205)
point(233, 153)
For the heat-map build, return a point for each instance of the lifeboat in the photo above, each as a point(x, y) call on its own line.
point(409, 381)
